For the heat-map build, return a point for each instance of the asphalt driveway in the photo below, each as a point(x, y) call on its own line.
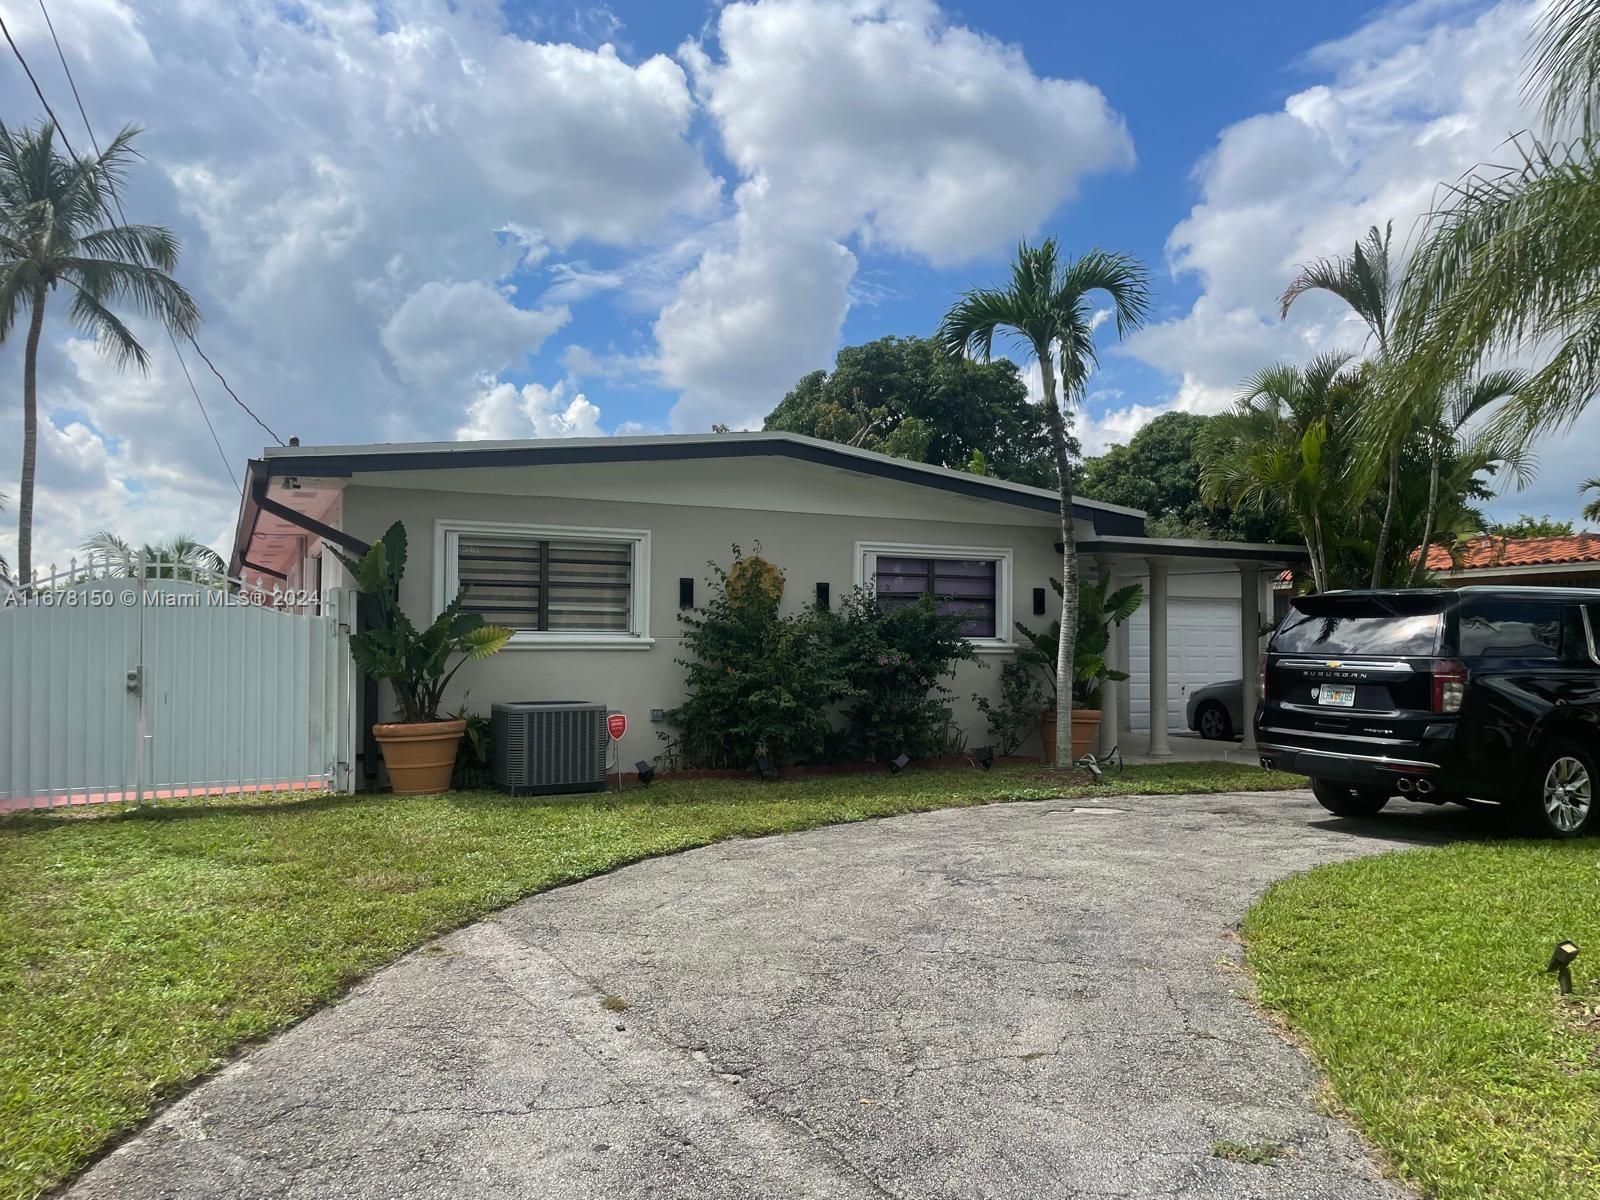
point(1024, 1000)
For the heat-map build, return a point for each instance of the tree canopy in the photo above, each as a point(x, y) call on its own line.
point(1526, 526)
point(1158, 470)
point(906, 397)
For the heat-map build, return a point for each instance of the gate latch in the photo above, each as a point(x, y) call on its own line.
point(134, 681)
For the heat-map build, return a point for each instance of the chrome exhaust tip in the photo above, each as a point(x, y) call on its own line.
point(1424, 787)
point(1405, 785)
point(1268, 764)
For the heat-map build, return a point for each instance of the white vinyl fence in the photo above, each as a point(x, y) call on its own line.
point(139, 680)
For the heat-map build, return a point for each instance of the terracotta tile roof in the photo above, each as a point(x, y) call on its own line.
point(1488, 551)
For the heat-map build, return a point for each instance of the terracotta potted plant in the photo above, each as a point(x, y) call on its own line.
point(420, 748)
point(1099, 610)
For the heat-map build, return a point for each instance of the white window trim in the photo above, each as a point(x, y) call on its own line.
point(866, 573)
point(447, 533)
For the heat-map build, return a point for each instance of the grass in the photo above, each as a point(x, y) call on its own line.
point(139, 950)
point(1418, 981)
point(1259, 1154)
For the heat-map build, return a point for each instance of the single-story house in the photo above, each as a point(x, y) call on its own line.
point(645, 515)
point(1570, 561)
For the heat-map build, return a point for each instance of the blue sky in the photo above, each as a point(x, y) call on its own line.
point(417, 219)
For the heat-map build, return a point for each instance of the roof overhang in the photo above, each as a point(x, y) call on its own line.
point(1266, 554)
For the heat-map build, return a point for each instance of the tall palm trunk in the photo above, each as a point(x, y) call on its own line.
point(1433, 510)
point(1067, 642)
point(1388, 516)
point(30, 438)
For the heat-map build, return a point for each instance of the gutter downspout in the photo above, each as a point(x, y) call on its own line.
point(369, 685)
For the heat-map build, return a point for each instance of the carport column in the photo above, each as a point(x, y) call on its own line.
point(1158, 658)
point(1250, 645)
point(1109, 709)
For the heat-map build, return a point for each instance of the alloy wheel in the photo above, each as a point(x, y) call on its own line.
point(1568, 794)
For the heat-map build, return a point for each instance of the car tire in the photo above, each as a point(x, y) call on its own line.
point(1213, 722)
point(1348, 800)
point(1566, 791)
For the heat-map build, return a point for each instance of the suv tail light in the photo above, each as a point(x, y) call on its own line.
point(1449, 685)
point(1261, 678)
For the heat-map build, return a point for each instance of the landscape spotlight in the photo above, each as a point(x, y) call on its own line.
point(900, 763)
point(763, 766)
point(986, 757)
point(1561, 964)
point(645, 771)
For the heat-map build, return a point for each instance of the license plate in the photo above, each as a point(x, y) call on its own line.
point(1342, 697)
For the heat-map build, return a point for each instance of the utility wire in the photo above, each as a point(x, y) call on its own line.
point(121, 212)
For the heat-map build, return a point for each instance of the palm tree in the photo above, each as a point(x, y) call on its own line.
point(1283, 449)
point(1046, 309)
point(179, 557)
point(1443, 426)
point(1366, 281)
point(57, 228)
point(1591, 510)
point(1511, 262)
point(5, 567)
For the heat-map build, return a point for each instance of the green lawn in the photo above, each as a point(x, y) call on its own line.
point(1418, 980)
point(138, 950)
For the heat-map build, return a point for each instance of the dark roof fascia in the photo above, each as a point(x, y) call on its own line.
point(345, 465)
point(1231, 551)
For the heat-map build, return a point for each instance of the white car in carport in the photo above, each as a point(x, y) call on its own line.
point(1216, 711)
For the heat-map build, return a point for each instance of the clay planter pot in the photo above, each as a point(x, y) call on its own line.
point(1085, 730)
point(420, 758)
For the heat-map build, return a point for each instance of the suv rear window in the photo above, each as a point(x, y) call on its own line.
point(1367, 628)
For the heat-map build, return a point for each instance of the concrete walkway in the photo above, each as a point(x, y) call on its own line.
point(1030, 1000)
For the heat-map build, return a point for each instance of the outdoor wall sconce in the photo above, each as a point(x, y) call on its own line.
point(1038, 602)
point(822, 596)
point(686, 592)
point(1561, 964)
point(764, 767)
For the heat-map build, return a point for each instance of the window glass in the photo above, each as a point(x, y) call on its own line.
point(958, 585)
point(1511, 630)
point(547, 585)
point(1415, 634)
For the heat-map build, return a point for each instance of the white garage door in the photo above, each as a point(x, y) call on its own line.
point(1202, 649)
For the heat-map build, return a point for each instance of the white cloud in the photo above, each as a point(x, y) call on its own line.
point(503, 410)
point(449, 331)
point(352, 185)
point(872, 120)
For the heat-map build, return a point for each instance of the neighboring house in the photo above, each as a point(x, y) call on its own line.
point(587, 547)
point(1571, 561)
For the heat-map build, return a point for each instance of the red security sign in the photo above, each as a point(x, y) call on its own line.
point(617, 725)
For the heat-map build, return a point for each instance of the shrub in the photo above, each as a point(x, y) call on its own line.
point(1016, 714)
point(892, 661)
point(759, 683)
point(1098, 610)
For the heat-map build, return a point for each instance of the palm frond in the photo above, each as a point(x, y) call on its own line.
point(1564, 65)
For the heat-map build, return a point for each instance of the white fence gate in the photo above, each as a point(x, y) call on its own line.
point(144, 680)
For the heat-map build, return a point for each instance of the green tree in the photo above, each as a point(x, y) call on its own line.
point(1158, 470)
point(1591, 510)
point(58, 229)
point(1046, 310)
point(904, 396)
point(1526, 526)
point(1510, 264)
point(1366, 281)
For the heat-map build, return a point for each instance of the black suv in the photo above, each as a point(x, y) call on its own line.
point(1486, 693)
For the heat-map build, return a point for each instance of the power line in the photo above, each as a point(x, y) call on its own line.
point(204, 416)
point(117, 200)
point(37, 90)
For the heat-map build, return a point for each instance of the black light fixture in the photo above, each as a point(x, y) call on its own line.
point(686, 592)
point(1561, 964)
point(1038, 602)
point(986, 757)
point(763, 766)
point(900, 762)
point(645, 772)
point(822, 596)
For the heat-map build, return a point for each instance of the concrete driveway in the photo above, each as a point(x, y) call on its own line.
point(1027, 1000)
